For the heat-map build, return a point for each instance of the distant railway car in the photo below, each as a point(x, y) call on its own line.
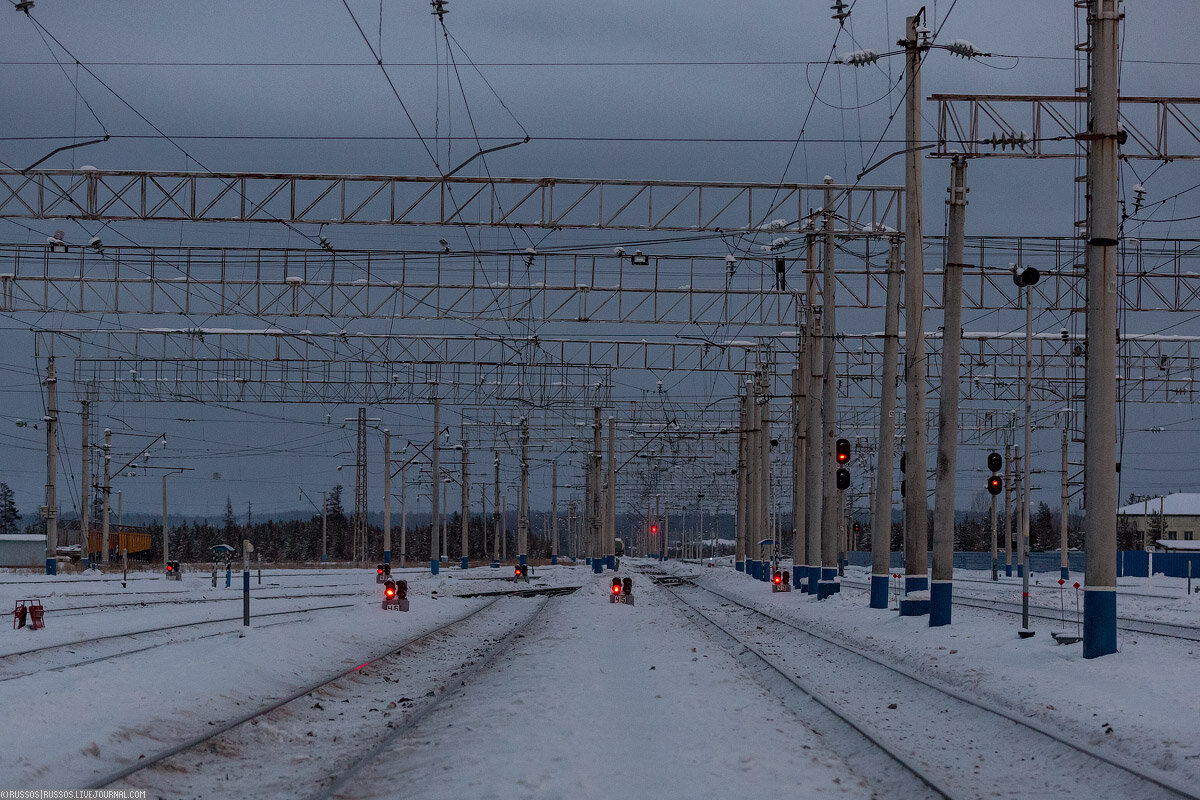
point(134, 541)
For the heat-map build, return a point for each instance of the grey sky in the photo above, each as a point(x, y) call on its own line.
point(612, 99)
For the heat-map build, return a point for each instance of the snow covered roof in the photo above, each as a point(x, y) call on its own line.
point(1179, 504)
point(22, 537)
point(1175, 544)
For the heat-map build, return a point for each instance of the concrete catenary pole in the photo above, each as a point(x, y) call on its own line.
point(496, 518)
point(814, 449)
point(1025, 483)
point(1100, 523)
point(1010, 473)
point(554, 512)
point(881, 517)
point(941, 590)
point(1064, 563)
point(916, 504)
point(466, 501)
point(995, 567)
point(435, 486)
point(596, 511)
point(85, 483)
point(572, 535)
point(739, 559)
point(764, 468)
point(387, 496)
point(51, 513)
point(523, 498)
point(611, 528)
point(105, 521)
point(831, 523)
point(325, 530)
point(799, 407)
point(753, 476)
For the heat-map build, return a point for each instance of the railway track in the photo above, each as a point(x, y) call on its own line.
point(947, 743)
point(1129, 624)
point(328, 731)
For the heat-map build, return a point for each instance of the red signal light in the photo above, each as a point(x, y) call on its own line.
point(379, 571)
point(616, 586)
point(654, 529)
point(778, 577)
point(389, 590)
point(169, 568)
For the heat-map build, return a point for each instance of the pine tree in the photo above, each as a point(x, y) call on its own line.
point(8, 510)
point(229, 522)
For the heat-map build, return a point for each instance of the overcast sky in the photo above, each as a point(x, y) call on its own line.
point(586, 81)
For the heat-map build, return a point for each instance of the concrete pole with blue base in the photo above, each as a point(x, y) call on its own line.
point(764, 469)
point(1064, 564)
point(942, 589)
point(830, 522)
point(523, 510)
point(466, 501)
point(435, 488)
point(387, 496)
point(881, 517)
point(1020, 497)
point(496, 518)
point(739, 559)
point(246, 548)
point(814, 448)
point(1100, 523)
point(610, 527)
point(916, 503)
point(799, 407)
point(51, 510)
point(1009, 474)
point(596, 507)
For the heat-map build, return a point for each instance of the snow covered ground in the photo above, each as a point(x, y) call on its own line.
point(592, 695)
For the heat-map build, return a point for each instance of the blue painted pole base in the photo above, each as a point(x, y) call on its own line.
point(740, 566)
point(879, 591)
point(387, 556)
point(51, 566)
point(433, 566)
point(1008, 570)
point(553, 560)
point(495, 565)
point(1099, 622)
point(522, 559)
point(228, 577)
point(814, 577)
point(587, 561)
point(612, 561)
point(597, 566)
point(915, 583)
point(464, 562)
point(941, 599)
point(915, 604)
point(828, 588)
point(1064, 573)
point(828, 573)
point(1020, 570)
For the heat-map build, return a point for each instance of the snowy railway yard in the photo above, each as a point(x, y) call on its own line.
point(711, 685)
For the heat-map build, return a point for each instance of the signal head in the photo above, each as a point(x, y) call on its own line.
point(842, 450)
point(616, 585)
point(654, 529)
point(627, 585)
point(389, 590)
point(843, 479)
point(995, 461)
point(995, 485)
point(777, 578)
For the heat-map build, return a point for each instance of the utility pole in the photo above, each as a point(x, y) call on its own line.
point(554, 512)
point(466, 500)
point(387, 496)
point(739, 559)
point(1010, 473)
point(523, 511)
point(764, 455)
point(881, 517)
point(815, 446)
point(51, 512)
point(611, 537)
point(830, 520)
point(360, 492)
point(496, 513)
point(107, 496)
point(85, 484)
point(572, 537)
point(799, 406)
point(1064, 561)
point(1028, 456)
point(594, 512)
point(1100, 400)
point(995, 568)
point(325, 530)
point(942, 589)
point(916, 504)
point(435, 487)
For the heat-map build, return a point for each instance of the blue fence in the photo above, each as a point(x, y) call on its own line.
point(1130, 563)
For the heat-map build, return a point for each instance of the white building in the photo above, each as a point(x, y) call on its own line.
point(1175, 517)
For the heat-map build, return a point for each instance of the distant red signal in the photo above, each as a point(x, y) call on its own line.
point(616, 586)
point(778, 578)
point(389, 590)
point(654, 529)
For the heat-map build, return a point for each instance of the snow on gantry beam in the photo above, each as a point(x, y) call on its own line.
point(546, 203)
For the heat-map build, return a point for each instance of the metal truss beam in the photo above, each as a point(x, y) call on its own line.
point(1155, 275)
point(546, 203)
point(1158, 128)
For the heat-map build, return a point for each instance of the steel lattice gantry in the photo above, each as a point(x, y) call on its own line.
point(549, 203)
point(1156, 275)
